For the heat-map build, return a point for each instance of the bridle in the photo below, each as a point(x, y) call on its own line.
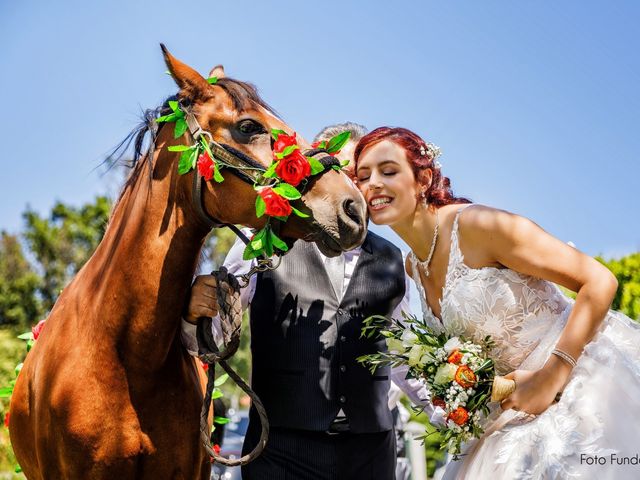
point(249, 171)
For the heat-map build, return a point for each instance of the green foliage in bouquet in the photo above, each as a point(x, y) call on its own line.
point(459, 373)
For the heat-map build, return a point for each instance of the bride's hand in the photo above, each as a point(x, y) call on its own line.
point(535, 390)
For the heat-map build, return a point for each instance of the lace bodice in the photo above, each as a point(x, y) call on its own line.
point(517, 310)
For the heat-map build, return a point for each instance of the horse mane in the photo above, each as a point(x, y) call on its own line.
point(144, 135)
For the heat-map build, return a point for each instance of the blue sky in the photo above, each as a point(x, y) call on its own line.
point(535, 104)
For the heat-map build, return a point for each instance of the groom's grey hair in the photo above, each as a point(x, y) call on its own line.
point(357, 131)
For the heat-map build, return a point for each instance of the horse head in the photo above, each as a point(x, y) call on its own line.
point(233, 114)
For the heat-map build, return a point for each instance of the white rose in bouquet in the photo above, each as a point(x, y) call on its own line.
point(452, 344)
point(408, 338)
point(445, 373)
point(395, 345)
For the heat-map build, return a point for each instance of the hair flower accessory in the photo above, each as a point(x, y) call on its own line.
point(430, 150)
point(434, 151)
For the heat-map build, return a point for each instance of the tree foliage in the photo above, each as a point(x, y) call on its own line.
point(627, 271)
point(62, 242)
point(19, 283)
point(216, 246)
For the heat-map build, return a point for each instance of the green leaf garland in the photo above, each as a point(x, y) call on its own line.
point(265, 241)
point(337, 142)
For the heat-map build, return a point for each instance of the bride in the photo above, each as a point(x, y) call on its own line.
point(483, 271)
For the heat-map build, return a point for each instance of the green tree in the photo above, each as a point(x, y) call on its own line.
point(19, 305)
point(627, 271)
point(64, 241)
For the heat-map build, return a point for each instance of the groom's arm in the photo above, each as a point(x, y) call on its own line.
point(236, 266)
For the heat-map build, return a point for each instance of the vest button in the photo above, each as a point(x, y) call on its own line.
point(343, 338)
point(343, 368)
point(342, 399)
point(340, 312)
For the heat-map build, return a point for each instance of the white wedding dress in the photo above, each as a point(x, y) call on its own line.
point(598, 415)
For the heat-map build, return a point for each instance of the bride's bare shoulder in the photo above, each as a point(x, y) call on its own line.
point(483, 219)
point(483, 229)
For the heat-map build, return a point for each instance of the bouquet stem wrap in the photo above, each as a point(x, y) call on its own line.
point(501, 388)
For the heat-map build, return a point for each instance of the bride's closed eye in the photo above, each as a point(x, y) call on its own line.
point(387, 173)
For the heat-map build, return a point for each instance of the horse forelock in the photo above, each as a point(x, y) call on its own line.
point(136, 149)
point(243, 95)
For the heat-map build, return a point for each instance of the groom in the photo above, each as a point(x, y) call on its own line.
point(329, 415)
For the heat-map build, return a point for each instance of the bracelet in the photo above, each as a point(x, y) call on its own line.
point(565, 356)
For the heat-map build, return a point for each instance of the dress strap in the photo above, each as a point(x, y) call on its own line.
point(455, 255)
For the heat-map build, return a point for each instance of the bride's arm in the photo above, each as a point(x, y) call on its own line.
point(519, 244)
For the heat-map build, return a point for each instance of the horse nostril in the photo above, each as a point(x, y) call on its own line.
point(350, 207)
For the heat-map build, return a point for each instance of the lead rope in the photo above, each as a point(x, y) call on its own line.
point(228, 295)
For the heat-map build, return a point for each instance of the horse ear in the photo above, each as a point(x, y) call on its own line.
point(191, 83)
point(217, 71)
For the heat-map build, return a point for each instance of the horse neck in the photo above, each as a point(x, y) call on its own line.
point(140, 274)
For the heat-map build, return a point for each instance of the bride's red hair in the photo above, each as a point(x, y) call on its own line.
point(439, 192)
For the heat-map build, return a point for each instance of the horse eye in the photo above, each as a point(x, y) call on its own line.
point(250, 127)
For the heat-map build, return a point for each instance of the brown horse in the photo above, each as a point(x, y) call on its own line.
point(108, 392)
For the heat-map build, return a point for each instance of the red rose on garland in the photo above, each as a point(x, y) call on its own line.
point(283, 142)
point(294, 168)
point(438, 402)
point(37, 329)
point(276, 205)
point(205, 166)
point(459, 416)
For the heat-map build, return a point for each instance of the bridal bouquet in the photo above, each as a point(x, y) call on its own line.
point(460, 374)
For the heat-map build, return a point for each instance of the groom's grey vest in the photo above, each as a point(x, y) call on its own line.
point(305, 342)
